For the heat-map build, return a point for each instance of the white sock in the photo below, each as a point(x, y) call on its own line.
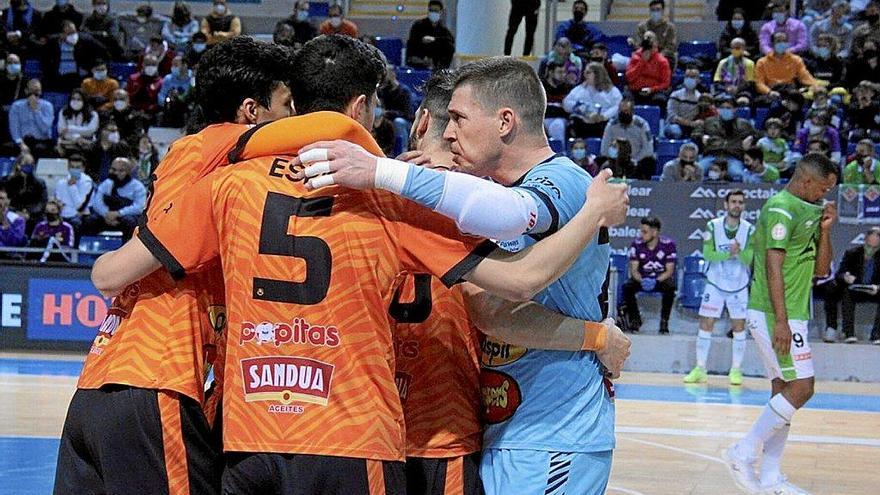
point(704, 343)
point(773, 447)
point(776, 415)
point(739, 349)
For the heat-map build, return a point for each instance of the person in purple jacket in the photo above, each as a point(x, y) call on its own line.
point(818, 125)
point(52, 232)
point(781, 21)
point(652, 269)
point(11, 225)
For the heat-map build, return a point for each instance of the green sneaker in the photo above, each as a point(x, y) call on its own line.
point(697, 375)
point(735, 376)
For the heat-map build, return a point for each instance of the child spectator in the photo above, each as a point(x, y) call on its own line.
point(773, 146)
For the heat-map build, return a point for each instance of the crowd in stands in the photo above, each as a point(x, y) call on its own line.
point(777, 85)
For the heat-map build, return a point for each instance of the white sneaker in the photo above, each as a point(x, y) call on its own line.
point(742, 469)
point(783, 487)
point(852, 340)
point(830, 335)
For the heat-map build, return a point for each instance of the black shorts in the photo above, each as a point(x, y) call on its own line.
point(450, 476)
point(301, 474)
point(120, 439)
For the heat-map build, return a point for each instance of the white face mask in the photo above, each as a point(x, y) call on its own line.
point(100, 75)
point(101, 9)
point(120, 105)
point(113, 137)
point(76, 105)
point(336, 21)
point(72, 38)
point(714, 175)
point(434, 17)
point(220, 9)
point(151, 70)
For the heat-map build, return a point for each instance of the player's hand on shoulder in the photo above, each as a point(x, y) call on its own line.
point(610, 199)
point(616, 351)
point(342, 163)
point(415, 157)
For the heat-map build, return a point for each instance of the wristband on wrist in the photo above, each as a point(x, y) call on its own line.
point(595, 336)
point(391, 175)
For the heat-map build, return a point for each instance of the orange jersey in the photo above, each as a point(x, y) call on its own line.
point(162, 334)
point(309, 355)
point(438, 369)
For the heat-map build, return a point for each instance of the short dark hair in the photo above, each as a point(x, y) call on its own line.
point(438, 91)
point(755, 153)
point(500, 82)
point(657, 2)
point(734, 192)
point(818, 164)
point(76, 157)
point(600, 46)
point(237, 69)
point(583, 2)
point(437, 3)
point(329, 71)
point(200, 35)
point(692, 65)
point(651, 221)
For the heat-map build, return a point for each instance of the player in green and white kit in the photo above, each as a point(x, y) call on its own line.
point(728, 252)
point(792, 246)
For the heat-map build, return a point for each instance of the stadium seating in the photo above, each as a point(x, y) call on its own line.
point(162, 137)
point(392, 48)
point(557, 145)
point(6, 164)
point(761, 117)
point(51, 170)
point(413, 79)
point(744, 113)
point(618, 44)
point(33, 69)
point(58, 101)
point(652, 115)
point(620, 262)
point(594, 146)
point(319, 9)
point(121, 70)
point(103, 242)
point(693, 282)
point(703, 50)
point(667, 149)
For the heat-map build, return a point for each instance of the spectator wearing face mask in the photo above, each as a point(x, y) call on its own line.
point(118, 201)
point(99, 88)
point(864, 66)
point(725, 136)
point(663, 32)
point(780, 68)
point(27, 193)
point(592, 103)
point(174, 94)
point(796, 32)
point(53, 20)
point(863, 115)
point(823, 63)
point(77, 124)
point(179, 30)
point(757, 171)
point(648, 74)
point(195, 49)
point(146, 161)
point(104, 26)
point(75, 191)
point(159, 49)
point(581, 33)
point(52, 233)
point(561, 55)
point(738, 27)
point(70, 57)
point(681, 110)
point(837, 26)
point(735, 74)
point(144, 86)
point(338, 24)
point(131, 123)
point(102, 153)
point(869, 31)
point(619, 159)
point(19, 26)
point(684, 168)
point(430, 43)
point(819, 126)
point(581, 158)
point(788, 108)
point(599, 55)
point(13, 86)
point(636, 132)
point(30, 122)
point(139, 29)
point(299, 21)
point(862, 169)
point(12, 225)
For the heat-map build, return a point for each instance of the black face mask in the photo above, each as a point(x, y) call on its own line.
point(873, 18)
point(625, 118)
point(52, 217)
point(686, 163)
point(578, 16)
point(598, 60)
point(120, 182)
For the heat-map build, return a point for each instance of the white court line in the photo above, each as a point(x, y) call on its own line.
point(624, 490)
point(866, 442)
point(676, 449)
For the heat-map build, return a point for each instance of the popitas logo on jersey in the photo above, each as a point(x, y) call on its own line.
point(297, 332)
point(501, 396)
point(286, 379)
point(119, 310)
point(497, 353)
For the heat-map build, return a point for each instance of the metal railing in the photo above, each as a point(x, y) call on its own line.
point(70, 254)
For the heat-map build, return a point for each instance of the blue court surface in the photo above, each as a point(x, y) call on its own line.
point(27, 464)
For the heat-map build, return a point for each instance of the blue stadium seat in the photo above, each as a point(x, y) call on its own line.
point(693, 282)
point(851, 148)
point(618, 44)
point(698, 49)
point(97, 243)
point(32, 69)
point(121, 70)
point(744, 113)
point(557, 145)
point(414, 79)
point(594, 146)
point(319, 9)
point(652, 115)
point(6, 164)
point(761, 117)
point(58, 101)
point(392, 48)
point(706, 79)
point(621, 263)
point(669, 147)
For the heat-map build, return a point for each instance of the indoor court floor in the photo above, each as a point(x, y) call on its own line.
point(669, 438)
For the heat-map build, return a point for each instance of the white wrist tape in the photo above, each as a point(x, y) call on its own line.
point(391, 175)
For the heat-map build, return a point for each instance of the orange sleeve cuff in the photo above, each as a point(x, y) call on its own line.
point(595, 336)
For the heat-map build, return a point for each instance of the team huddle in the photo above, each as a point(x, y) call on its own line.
point(374, 325)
